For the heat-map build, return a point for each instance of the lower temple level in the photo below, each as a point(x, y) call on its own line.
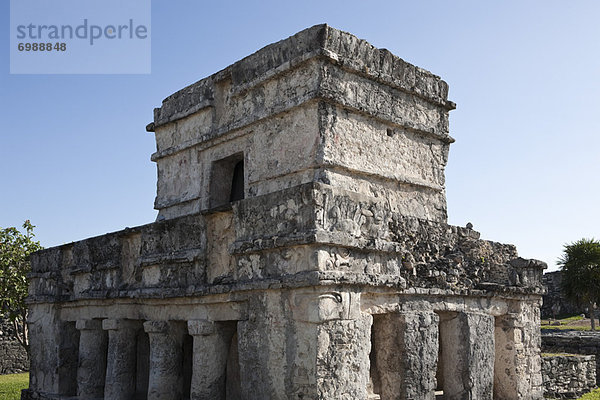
point(304, 343)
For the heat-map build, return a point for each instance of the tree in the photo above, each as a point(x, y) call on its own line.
point(15, 248)
point(580, 264)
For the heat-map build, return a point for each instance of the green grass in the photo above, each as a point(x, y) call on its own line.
point(567, 327)
point(567, 322)
point(594, 395)
point(11, 385)
point(577, 317)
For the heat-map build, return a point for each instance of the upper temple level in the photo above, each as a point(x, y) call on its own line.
point(321, 106)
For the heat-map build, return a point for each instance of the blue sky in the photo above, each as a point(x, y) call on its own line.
point(75, 157)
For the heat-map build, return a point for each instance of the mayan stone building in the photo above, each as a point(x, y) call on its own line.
point(301, 251)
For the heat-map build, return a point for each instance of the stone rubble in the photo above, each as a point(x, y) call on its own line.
point(572, 342)
point(13, 357)
point(568, 376)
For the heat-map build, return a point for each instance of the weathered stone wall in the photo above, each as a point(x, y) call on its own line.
point(555, 303)
point(291, 237)
point(572, 342)
point(13, 357)
point(568, 376)
point(320, 106)
point(309, 268)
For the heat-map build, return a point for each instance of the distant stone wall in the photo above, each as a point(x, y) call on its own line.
point(13, 357)
point(568, 376)
point(554, 302)
point(587, 343)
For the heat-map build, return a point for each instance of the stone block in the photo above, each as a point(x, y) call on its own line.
point(467, 355)
point(404, 355)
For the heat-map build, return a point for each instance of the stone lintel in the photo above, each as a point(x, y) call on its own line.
point(89, 324)
point(157, 326)
point(119, 324)
point(510, 321)
point(201, 327)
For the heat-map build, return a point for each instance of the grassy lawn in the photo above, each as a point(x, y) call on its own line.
point(567, 328)
point(11, 385)
point(572, 323)
point(595, 395)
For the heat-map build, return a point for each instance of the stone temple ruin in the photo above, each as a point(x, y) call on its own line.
point(301, 251)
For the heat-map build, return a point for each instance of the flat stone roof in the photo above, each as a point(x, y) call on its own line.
point(338, 47)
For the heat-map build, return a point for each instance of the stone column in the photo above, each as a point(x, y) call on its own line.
point(166, 360)
point(343, 347)
point(121, 359)
point(54, 348)
point(467, 341)
point(68, 358)
point(508, 342)
point(404, 354)
point(328, 349)
point(517, 369)
point(91, 370)
point(263, 360)
point(211, 348)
